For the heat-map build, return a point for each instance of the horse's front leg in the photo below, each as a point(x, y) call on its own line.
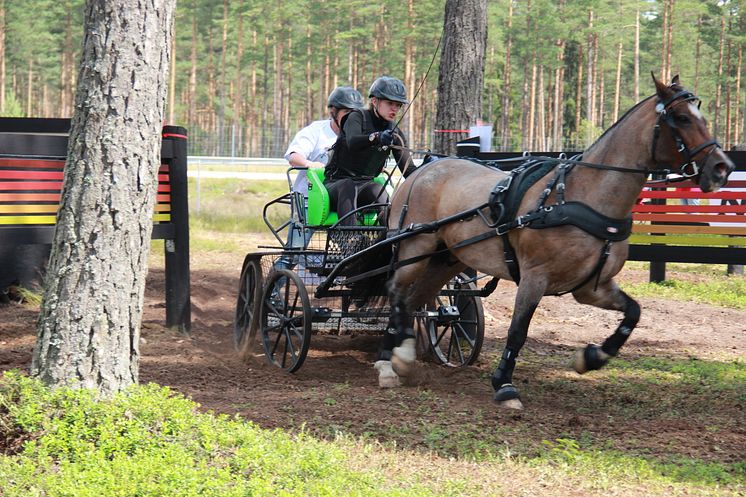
point(530, 292)
point(606, 296)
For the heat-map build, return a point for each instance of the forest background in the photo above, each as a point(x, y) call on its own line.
point(247, 74)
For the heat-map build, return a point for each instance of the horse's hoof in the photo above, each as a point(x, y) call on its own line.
point(404, 357)
point(507, 396)
point(387, 378)
point(514, 404)
point(590, 358)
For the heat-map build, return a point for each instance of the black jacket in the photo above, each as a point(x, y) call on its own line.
point(355, 156)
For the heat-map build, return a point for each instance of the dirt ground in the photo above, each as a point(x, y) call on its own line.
point(446, 410)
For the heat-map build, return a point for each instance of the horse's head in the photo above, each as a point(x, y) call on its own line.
point(682, 138)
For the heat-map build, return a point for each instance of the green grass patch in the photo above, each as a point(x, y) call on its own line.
point(607, 467)
point(719, 290)
point(233, 205)
point(710, 376)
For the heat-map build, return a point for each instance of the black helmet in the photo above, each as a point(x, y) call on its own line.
point(389, 88)
point(345, 97)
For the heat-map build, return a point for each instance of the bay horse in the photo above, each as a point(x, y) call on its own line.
point(576, 217)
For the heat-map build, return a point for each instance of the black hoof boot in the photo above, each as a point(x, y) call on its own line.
point(590, 358)
point(507, 396)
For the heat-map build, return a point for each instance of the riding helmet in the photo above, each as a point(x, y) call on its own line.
point(345, 97)
point(389, 88)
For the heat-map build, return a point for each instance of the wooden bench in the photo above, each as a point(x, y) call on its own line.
point(32, 160)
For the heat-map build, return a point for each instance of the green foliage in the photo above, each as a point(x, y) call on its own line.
point(277, 81)
point(148, 441)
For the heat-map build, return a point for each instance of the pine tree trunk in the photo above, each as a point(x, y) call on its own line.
point(30, 88)
point(238, 79)
point(172, 83)
point(192, 106)
point(530, 127)
point(559, 91)
point(579, 91)
point(409, 67)
point(309, 77)
point(541, 132)
point(461, 74)
point(506, 101)
point(727, 139)
point(590, 83)
point(67, 69)
point(669, 42)
point(737, 103)
point(617, 83)
point(637, 56)
point(697, 54)
point(719, 83)
point(2, 55)
point(664, 43)
point(89, 322)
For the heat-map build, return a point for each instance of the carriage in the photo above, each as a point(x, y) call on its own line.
point(288, 294)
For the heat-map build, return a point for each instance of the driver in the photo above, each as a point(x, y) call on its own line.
point(361, 151)
point(310, 148)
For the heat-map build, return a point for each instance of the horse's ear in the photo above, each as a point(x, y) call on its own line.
point(675, 80)
point(660, 88)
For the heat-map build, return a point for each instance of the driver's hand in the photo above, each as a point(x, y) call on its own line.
point(386, 137)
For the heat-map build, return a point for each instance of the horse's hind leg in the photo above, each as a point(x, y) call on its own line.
point(607, 296)
point(527, 299)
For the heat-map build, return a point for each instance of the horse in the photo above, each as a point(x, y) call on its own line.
point(576, 217)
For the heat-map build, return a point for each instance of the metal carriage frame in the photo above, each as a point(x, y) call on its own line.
point(284, 306)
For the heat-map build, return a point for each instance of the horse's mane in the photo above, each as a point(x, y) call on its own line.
point(621, 119)
point(674, 87)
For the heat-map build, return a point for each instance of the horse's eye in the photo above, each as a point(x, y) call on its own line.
point(682, 119)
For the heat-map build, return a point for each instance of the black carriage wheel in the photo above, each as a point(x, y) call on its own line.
point(247, 306)
point(458, 342)
point(285, 318)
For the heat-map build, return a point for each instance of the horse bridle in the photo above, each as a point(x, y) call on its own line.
point(662, 109)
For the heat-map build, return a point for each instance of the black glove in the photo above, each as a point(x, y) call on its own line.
point(386, 138)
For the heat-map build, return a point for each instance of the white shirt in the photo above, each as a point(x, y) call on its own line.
point(312, 142)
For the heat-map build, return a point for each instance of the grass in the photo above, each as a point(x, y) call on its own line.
point(149, 441)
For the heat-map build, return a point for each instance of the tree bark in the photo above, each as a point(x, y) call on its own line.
point(590, 82)
point(2, 55)
point(719, 82)
point(617, 82)
point(461, 74)
point(89, 322)
point(506, 101)
point(579, 91)
point(637, 56)
point(409, 67)
point(664, 42)
point(192, 106)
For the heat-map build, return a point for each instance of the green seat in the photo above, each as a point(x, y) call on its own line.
point(319, 211)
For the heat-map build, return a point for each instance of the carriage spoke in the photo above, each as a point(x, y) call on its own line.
point(286, 323)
